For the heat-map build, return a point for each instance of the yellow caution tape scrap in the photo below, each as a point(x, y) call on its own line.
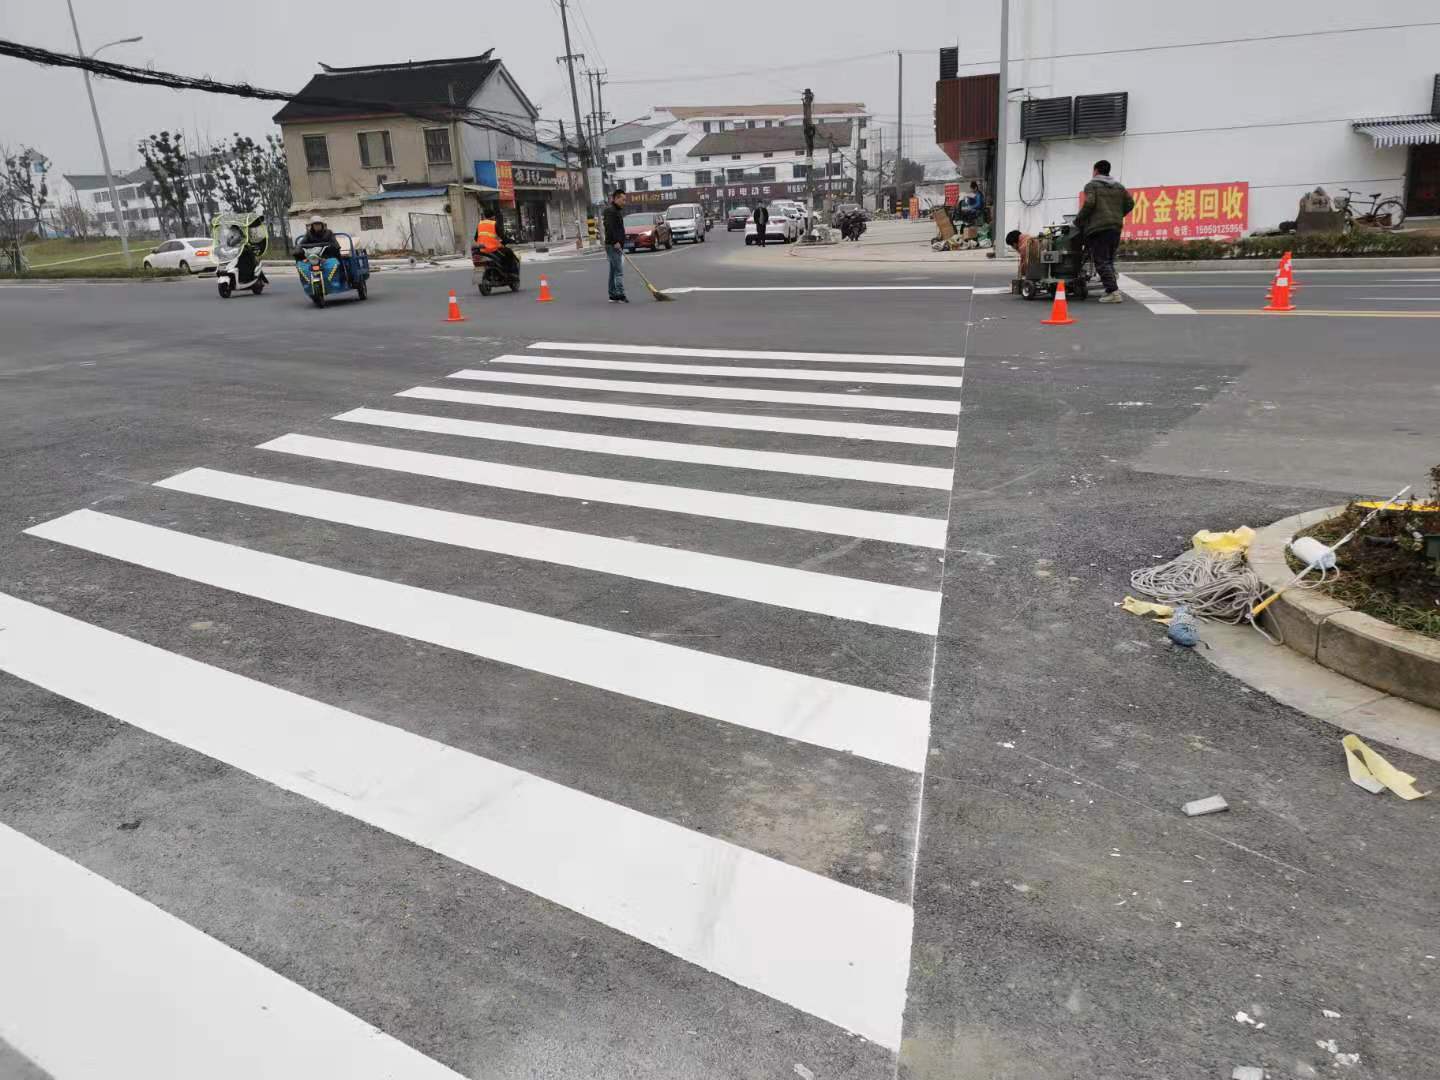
point(1372, 772)
point(1223, 543)
point(1144, 607)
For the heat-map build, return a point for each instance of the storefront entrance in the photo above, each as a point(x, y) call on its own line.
point(1422, 191)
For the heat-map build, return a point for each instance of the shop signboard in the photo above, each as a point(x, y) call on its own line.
point(1219, 211)
point(952, 194)
point(737, 192)
point(505, 181)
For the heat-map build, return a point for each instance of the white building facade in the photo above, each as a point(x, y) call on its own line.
point(1225, 118)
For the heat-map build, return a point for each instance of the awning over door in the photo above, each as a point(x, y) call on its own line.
point(1400, 130)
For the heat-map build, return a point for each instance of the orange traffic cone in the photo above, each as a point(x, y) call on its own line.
point(1280, 293)
point(1060, 310)
point(544, 297)
point(454, 315)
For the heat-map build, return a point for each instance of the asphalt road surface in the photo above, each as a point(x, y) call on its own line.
point(538, 696)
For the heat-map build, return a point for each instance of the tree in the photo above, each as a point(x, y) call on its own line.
point(164, 215)
point(236, 177)
point(21, 172)
point(75, 219)
point(273, 178)
point(164, 155)
point(206, 168)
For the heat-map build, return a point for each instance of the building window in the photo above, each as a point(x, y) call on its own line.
point(706, 126)
point(372, 223)
point(374, 149)
point(769, 123)
point(797, 172)
point(437, 146)
point(652, 157)
point(619, 185)
point(720, 126)
point(863, 120)
point(734, 176)
point(704, 157)
point(767, 172)
point(734, 157)
point(863, 144)
point(317, 153)
point(641, 184)
point(619, 161)
point(749, 123)
point(834, 168)
point(665, 179)
point(702, 177)
point(635, 158)
point(667, 157)
point(769, 154)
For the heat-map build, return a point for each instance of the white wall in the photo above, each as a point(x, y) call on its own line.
point(480, 144)
point(1275, 113)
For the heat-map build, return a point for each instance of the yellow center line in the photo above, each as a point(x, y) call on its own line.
point(1325, 314)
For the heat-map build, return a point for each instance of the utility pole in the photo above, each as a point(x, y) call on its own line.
point(600, 125)
point(569, 58)
point(120, 226)
point(880, 172)
point(808, 99)
point(899, 123)
point(574, 195)
point(997, 234)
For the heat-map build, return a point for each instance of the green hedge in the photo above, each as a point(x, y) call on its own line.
point(49, 273)
point(1339, 245)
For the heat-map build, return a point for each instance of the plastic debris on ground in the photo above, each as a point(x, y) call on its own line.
point(1159, 612)
point(1373, 773)
point(1183, 630)
point(1212, 579)
point(1247, 1072)
point(1213, 805)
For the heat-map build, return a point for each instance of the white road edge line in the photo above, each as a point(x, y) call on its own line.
point(831, 429)
point(852, 377)
point(1156, 301)
point(756, 510)
point(826, 948)
point(898, 606)
point(725, 393)
point(882, 359)
point(837, 468)
point(98, 981)
point(873, 724)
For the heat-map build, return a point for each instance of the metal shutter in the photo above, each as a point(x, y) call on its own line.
point(1044, 118)
point(1435, 99)
point(950, 62)
point(1101, 114)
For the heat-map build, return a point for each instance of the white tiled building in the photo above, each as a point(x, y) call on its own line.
point(684, 146)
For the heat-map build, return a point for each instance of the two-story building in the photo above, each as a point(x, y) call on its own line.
point(406, 156)
point(141, 213)
point(725, 154)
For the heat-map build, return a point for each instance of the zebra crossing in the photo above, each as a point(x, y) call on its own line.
point(754, 584)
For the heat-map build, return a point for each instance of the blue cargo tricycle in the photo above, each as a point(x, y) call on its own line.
point(328, 270)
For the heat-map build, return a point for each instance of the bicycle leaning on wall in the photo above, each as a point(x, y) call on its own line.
point(1381, 214)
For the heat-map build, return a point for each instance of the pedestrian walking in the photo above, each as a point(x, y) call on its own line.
point(614, 219)
point(761, 217)
point(1099, 222)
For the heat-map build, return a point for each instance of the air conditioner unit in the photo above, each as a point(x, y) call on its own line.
point(1101, 114)
point(1045, 118)
point(950, 62)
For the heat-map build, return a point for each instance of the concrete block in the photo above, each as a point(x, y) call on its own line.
point(1383, 656)
point(1247, 1072)
point(1297, 618)
point(1213, 805)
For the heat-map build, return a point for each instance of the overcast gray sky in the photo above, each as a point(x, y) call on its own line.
point(277, 44)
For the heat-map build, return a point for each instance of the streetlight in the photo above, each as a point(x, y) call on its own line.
point(120, 225)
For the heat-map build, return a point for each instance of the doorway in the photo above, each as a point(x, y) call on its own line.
point(1422, 188)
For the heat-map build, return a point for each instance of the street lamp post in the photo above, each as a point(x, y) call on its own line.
point(120, 225)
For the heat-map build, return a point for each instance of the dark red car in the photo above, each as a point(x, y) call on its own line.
point(647, 230)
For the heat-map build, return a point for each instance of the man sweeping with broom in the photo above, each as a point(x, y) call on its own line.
point(615, 246)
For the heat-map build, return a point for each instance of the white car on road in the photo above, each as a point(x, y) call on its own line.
point(781, 227)
point(687, 222)
point(191, 254)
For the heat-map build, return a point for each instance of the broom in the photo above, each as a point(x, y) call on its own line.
point(656, 293)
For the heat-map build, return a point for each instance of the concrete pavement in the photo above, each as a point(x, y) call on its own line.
point(496, 574)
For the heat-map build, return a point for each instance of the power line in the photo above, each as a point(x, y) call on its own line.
point(435, 111)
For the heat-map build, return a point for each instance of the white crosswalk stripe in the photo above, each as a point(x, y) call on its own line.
point(830, 429)
point(97, 982)
point(828, 948)
point(724, 393)
point(789, 374)
point(812, 517)
point(825, 940)
point(875, 472)
point(871, 359)
point(897, 606)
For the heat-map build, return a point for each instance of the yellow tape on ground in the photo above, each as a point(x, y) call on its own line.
point(1368, 768)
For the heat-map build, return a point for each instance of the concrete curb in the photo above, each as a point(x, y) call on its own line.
point(1399, 662)
point(1388, 262)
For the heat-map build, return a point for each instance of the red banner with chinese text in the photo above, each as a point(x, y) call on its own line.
point(952, 194)
point(505, 181)
point(1189, 212)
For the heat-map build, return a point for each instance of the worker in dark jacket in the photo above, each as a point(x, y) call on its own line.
point(761, 217)
point(1099, 222)
point(615, 246)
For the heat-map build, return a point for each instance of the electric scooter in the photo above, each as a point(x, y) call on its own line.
point(240, 244)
